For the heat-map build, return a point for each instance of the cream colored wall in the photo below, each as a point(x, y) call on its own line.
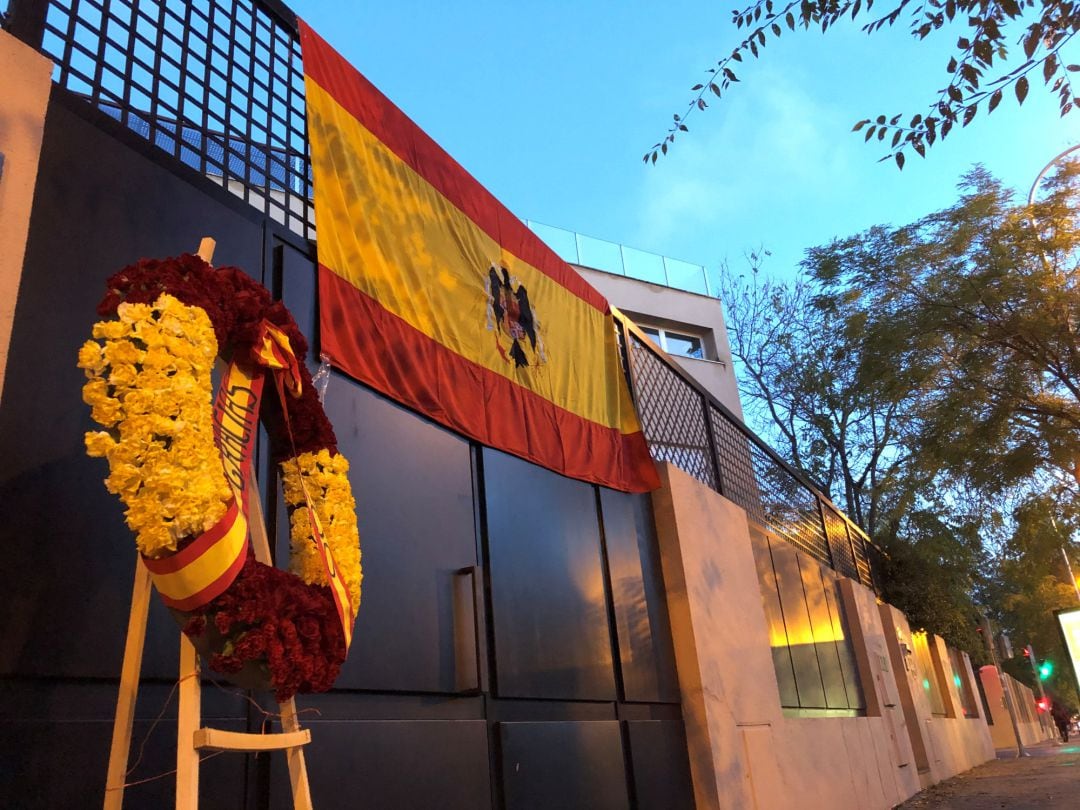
point(1031, 733)
point(22, 118)
point(744, 752)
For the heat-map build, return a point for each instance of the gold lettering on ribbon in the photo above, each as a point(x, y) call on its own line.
point(236, 415)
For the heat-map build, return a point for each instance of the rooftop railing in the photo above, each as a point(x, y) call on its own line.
point(218, 84)
point(612, 257)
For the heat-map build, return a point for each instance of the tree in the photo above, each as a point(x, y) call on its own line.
point(929, 374)
point(989, 295)
point(838, 391)
point(1030, 582)
point(832, 400)
point(1045, 27)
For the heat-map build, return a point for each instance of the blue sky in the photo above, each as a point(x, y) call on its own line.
point(551, 106)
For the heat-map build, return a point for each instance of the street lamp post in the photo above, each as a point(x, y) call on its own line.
point(1005, 694)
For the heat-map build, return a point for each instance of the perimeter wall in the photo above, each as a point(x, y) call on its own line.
point(748, 752)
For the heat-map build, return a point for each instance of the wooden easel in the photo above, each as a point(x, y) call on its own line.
point(191, 737)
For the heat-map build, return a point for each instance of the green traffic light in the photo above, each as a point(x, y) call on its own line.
point(1046, 669)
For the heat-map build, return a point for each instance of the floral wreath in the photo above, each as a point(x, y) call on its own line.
point(178, 461)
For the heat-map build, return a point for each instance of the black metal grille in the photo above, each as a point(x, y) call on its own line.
point(740, 483)
point(726, 456)
point(791, 509)
point(218, 84)
point(672, 414)
point(840, 543)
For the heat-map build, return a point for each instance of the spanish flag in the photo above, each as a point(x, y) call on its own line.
point(433, 293)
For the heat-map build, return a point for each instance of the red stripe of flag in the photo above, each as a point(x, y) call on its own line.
point(202, 543)
point(213, 590)
point(473, 400)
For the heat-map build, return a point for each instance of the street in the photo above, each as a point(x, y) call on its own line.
point(1049, 778)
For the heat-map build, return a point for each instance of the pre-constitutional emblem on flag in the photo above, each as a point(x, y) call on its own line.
point(515, 322)
point(435, 294)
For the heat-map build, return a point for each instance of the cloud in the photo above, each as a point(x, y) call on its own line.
point(777, 151)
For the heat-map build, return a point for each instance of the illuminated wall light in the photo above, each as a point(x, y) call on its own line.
point(926, 684)
point(956, 680)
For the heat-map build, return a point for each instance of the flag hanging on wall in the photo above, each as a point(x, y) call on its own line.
point(433, 293)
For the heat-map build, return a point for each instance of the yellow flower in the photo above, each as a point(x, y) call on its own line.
point(110, 330)
point(122, 374)
point(122, 351)
point(98, 444)
point(335, 508)
point(91, 358)
point(163, 394)
point(132, 313)
point(95, 391)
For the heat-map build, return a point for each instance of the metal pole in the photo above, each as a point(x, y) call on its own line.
point(1005, 694)
point(1044, 717)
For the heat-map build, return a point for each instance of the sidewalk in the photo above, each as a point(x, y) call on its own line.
point(1049, 778)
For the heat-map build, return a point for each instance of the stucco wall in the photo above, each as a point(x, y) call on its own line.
point(745, 752)
point(1031, 732)
point(22, 118)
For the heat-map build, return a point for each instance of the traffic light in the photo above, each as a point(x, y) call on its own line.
point(1043, 704)
point(1046, 669)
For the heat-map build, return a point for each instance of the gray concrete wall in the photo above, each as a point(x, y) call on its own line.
point(745, 751)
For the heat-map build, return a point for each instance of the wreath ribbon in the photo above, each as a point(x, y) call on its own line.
point(275, 353)
point(204, 569)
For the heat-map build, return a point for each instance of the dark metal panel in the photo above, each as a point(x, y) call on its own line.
point(547, 588)
point(407, 765)
point(567, 765)
point(413, 486)
point(52, 765)
point(98, 206)
point(646, 652)
point(661, 766)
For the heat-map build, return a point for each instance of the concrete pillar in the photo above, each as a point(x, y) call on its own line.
point(22, 119)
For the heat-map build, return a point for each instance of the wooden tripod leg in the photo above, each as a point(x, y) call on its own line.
point(260, 544)
point(188, 721)
point(129, 688)
point(301, 790)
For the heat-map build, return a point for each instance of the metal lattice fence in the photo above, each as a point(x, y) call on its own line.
point(723, 454)
point(219, 86)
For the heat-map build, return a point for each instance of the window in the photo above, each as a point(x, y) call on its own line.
point(811, 646)
point(675, 343)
